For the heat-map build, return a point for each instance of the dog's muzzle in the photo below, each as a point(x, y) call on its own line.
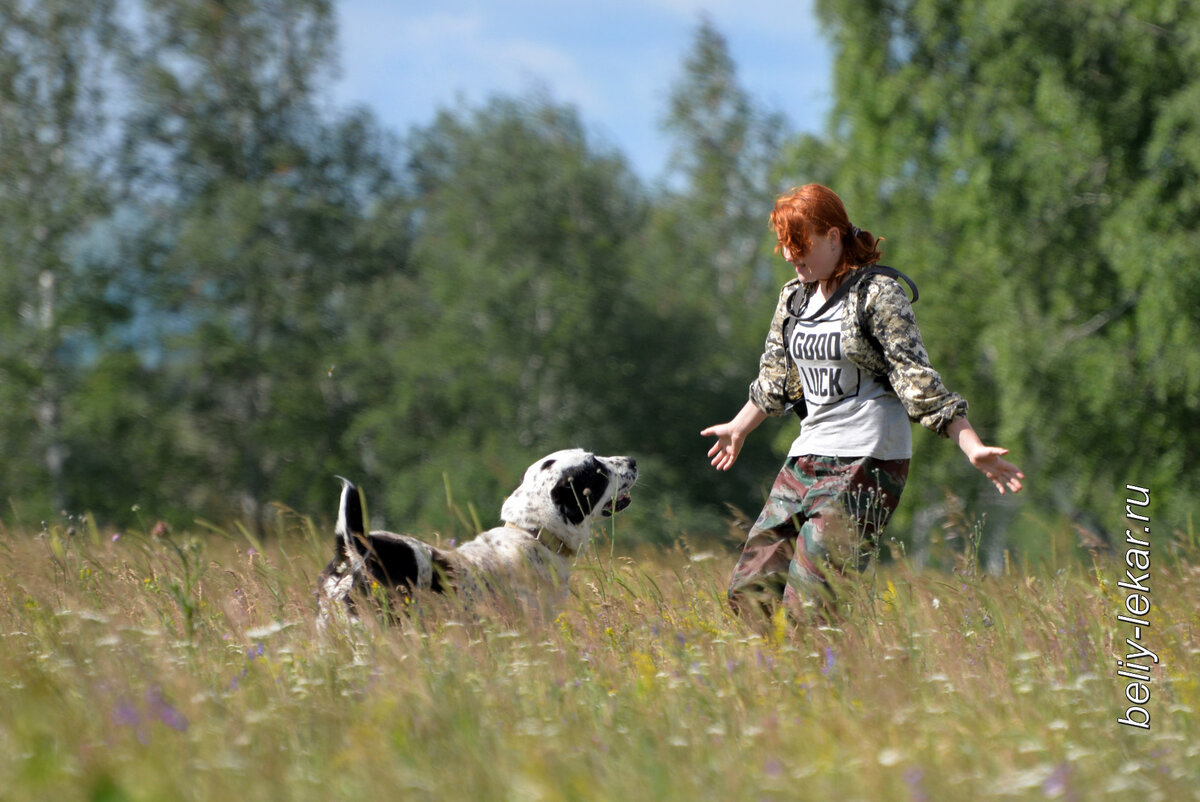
point(616, 505)
point(628, 475)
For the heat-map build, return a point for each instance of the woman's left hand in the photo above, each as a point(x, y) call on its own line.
point(989, 460)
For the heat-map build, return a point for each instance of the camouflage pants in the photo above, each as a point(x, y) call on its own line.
point(824, 514)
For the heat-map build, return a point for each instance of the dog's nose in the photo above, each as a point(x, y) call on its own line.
point(633, 463)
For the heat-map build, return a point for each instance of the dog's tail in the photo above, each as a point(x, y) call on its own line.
point(351, 530)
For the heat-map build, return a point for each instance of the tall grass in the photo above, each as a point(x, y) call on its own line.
point(156, 666)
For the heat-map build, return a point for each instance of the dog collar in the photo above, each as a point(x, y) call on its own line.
point(547, 539)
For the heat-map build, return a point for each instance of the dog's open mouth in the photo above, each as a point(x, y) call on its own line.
point(619, 503)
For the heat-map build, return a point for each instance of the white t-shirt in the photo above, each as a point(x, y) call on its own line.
point(850, 413)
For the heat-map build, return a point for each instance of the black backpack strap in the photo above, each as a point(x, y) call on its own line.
point(854, 278)
point(896, 274)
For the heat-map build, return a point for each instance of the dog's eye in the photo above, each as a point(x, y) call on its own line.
point(546, 464)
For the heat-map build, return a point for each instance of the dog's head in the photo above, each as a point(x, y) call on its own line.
point(565, 492)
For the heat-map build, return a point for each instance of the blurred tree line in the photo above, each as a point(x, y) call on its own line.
point(215, 293)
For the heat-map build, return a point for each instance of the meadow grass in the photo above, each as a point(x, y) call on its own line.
point(181, 666)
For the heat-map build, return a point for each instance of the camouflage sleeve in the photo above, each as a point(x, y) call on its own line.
point(890, 320)
point(776, 388)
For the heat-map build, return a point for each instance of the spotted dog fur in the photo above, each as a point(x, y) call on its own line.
point(547, 521)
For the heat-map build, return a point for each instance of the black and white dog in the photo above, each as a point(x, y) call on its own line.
point(547, 522)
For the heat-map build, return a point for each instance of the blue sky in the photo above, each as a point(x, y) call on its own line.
point(614, 60)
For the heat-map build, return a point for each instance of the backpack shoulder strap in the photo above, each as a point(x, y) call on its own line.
point(854, 278)
point(892, 272)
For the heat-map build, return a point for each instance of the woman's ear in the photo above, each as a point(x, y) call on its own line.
point(833, 238)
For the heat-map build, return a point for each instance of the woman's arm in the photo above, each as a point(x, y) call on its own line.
point(920, 388)
point(986, 458)
point(889, 319)
point(732, 435)
point(773, 391)
point(777, 387)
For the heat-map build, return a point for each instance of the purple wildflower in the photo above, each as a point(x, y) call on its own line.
point(916, 791)
point(1057, 785)
point(125, 715)
point(830, 661)
point(164, 711)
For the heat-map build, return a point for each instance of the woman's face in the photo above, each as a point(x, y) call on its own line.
point(821, 260)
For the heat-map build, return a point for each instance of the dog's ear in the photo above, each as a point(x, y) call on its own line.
point(580, 490)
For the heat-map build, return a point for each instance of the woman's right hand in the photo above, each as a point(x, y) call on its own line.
point(729, 444)
point(731, 436)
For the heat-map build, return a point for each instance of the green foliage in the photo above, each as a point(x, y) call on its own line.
point(249, 295)
point(707, 272)
point(505, 335)
point(1030, 167)
point(265, 215)
point(53, 58)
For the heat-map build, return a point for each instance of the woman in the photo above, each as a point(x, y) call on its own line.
point(854, 364)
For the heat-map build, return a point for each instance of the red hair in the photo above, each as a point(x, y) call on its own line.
point(815, 210)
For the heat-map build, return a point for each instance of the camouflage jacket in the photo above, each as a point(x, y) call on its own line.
point(887, 344)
